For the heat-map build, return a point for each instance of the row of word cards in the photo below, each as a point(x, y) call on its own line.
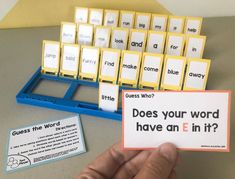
point(138, 20)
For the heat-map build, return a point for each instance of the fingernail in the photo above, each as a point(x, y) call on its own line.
point(168, 151)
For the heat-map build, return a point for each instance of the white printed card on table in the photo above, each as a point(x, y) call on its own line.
point(191, 120)
point(193, 25)
point(196, 74)
point(195, 45)
point(111, 18)
point(81, 15)
point(68, 32)
point(127, 19)
point(176, 24)
point(159, 22)
point(46, 142)
point(50, 57)
point(142, 20)
point(137, 40)
point(85, 34)
point(102, 36)
point(96, 16)
point(175, 44)
point(119, 38)
point(108, 97)
point(156, 42)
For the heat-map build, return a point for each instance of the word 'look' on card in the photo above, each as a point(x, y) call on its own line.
point(119, 38)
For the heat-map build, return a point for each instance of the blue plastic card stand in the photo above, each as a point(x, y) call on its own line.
point(66, 103)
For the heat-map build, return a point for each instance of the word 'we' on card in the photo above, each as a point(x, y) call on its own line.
point(176, 24)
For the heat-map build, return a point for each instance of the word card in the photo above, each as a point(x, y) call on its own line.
point(191, 120)
point(68, 32)
point(85, 34)
point(196, 74)
point(195, 45)
point(108, 97)
point(50, 57)
point(109, 65)
point(129, 68)
point(176, 24)
point(46, 142)
point(173, 72)
point(102, 36)
point(111, 18)
point(89, 62)
point(142, 20)
point(127, 19)
point(156, 42)
point(137, 40)
point(151, 69)
point(159, 22)
point(193, 25)
point(70, 60)
point(119, 38)
point(81, 15)
point(175, 44)
point(96, 16)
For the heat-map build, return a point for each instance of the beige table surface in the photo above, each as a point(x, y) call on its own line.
point(20, 56)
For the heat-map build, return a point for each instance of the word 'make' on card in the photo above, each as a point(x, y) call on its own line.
point(89, 62)
point(151, 69)
point(195, 45)
point(109, 65)
point(119, 38)
point(175, 44)
point(102, 36)
point(96, 16)
point(43, 143)
point(69, 60)
point(193, 25)
point(173, 72)
point(195, 121)
point(159, 22)
point(176, 24)
point(129, 68)
point(196, 74)
point(50, 57)
point(68, 32)
point(108, 97)
point(142, 20)
point(85, 34)
point(127, 19)
point(156, 42)
point(137, 40)
point(111, 18)
point(81, 15)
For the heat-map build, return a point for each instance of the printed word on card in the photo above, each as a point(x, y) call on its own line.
point(50, 57)
point(109, 65)
point(142, 20)
point(102, 36)
point(68, 32)
point(127, 19)
point(119, 38)
point(176, 24)
point(69, 60)
point(196, 74)
point(129, 68)
point(111, 18)
point(173, 72)
point(85, 34)
point(156, 42)
point(108, 97)
point(137, 40)
point(151, 69)
point(89, 62)
point(175, 44)
point(81, 15)
point(159, 22)
point(96, 16)
point(193, 25)
point(195, 45)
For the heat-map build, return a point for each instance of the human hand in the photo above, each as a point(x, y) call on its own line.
point(124, 164)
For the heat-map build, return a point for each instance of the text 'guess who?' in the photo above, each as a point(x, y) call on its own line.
point(195, 45)
point(127, 19)
point(176, 24)
point(111, 18)
point(119, 38)
point(175, 44)
point(68, 32)
point(95, 16)
point(50, 57)
point(151, 69)
point(85, 34)
point(69, 60)
point(193, 25)
point(137, 40)
point(159, 22)
point(108, 97)
point(109, 65)
point(196, 74)
point(81, 15)
point(129, 68)
point(173, 72)
point(102, 36)
point(142, 20)
point(89, 63)
point(156, 42)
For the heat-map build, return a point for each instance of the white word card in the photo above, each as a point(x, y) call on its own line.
point(96, 16)
point(196, 74)
point(127, 19)
point(108, 97)
point(111, 18)
point(159, 22)
point(156, 42)
point(193, 25)
point(81, 15)
point(119, 38)
point(175, 44)
point(176, 24)
point(102, 36)
point(43, 143)
point(68, 32)
point(194, 121)
point(85, 34)
point(195, 45)
point(137, 40)
point(142, 20)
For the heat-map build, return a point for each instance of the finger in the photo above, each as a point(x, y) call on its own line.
point(106, 165)
point(172, 175)
point(160, 163)
point(133, 166)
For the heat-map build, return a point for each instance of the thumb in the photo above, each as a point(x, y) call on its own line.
point(160, 163)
